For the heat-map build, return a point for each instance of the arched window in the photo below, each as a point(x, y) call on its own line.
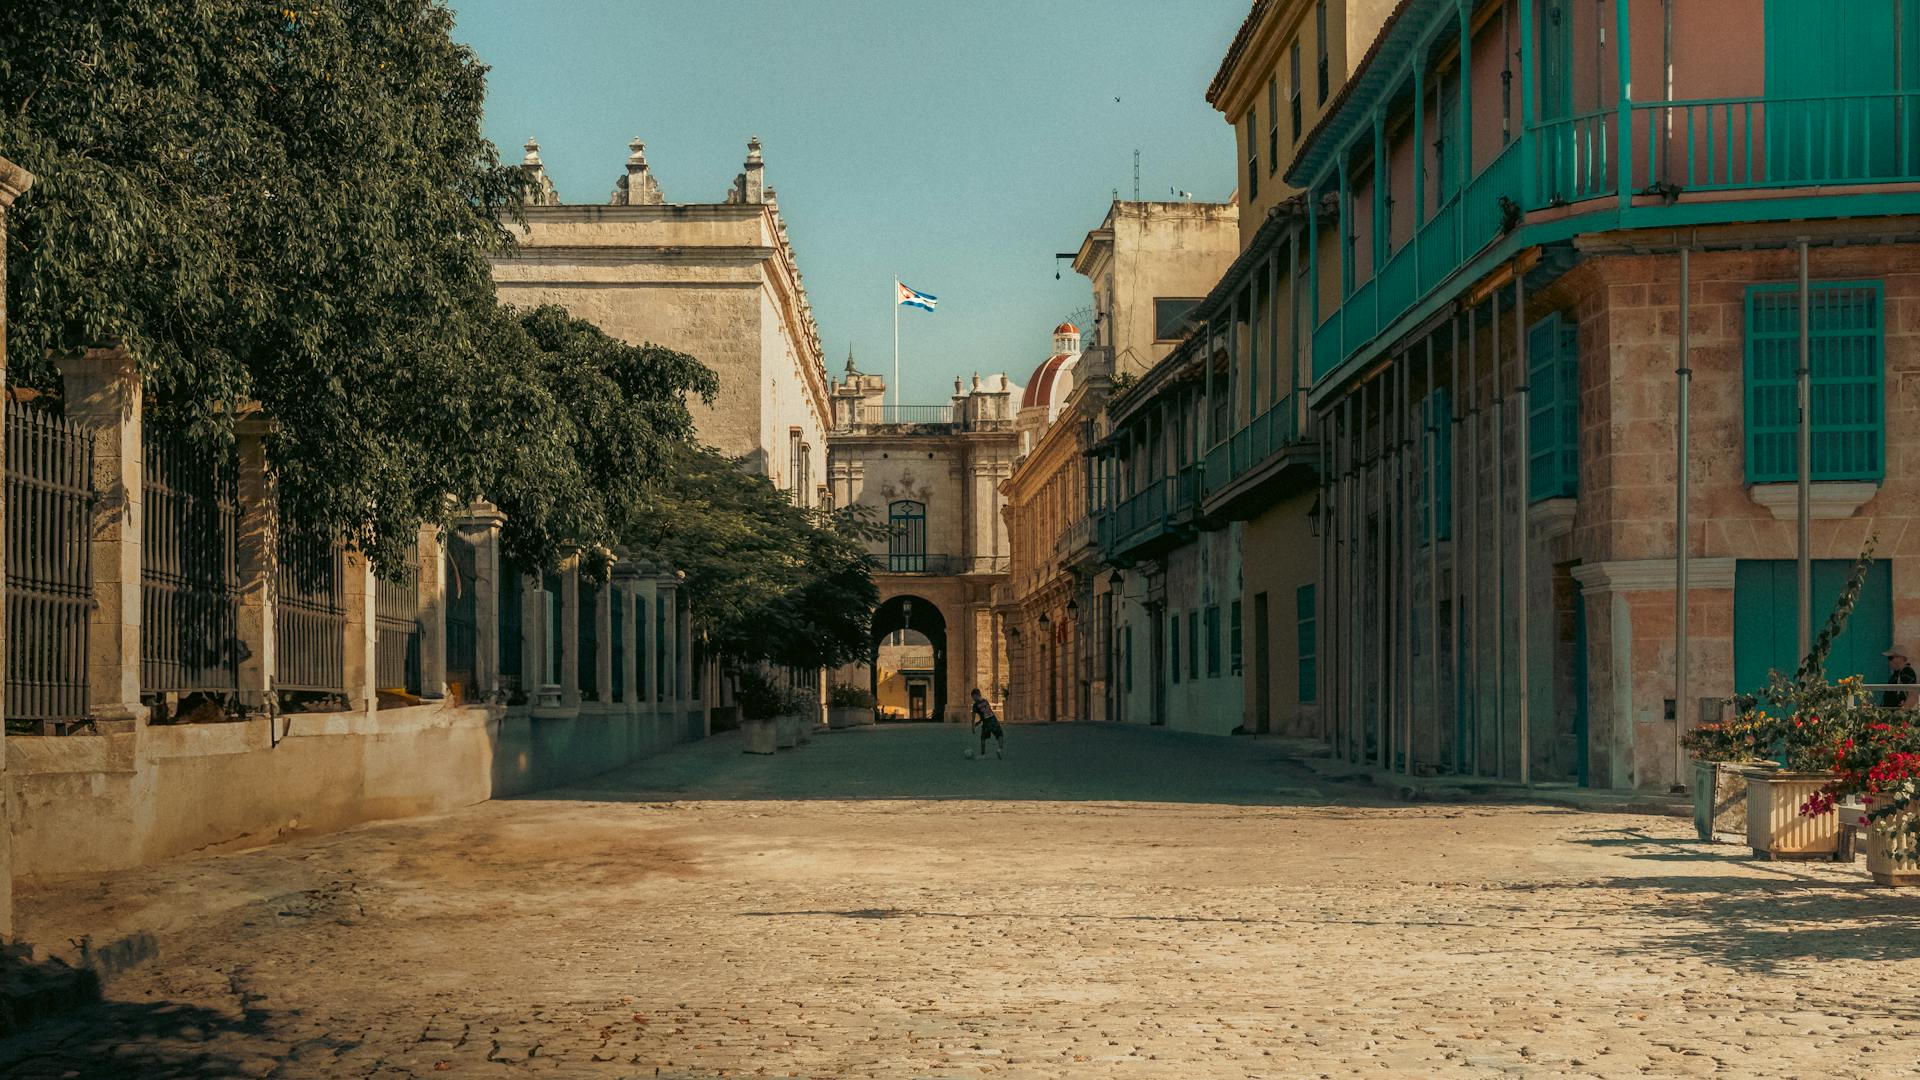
point(907, 537)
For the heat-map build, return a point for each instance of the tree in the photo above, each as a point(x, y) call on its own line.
point(769, 580)
point(293, 205)
point(582, 431)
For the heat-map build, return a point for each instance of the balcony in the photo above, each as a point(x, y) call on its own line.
point(941, 565)
point(869, 419)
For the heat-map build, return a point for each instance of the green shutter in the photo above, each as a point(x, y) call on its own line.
point(1766, 619)
point(1846, 343)
point(1553, 409)
point(1308, 649)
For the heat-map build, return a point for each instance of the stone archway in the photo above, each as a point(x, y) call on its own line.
point(916, 613)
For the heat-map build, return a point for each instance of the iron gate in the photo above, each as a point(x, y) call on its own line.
point(397, 623)
point(189, 576)
point(49, 508)
point(462, 613)
point(309, 615)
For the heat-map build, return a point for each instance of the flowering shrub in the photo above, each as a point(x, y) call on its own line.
point(1880, 762)
point(1747, 737)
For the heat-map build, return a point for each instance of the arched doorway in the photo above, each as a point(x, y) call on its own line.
point(918, 616)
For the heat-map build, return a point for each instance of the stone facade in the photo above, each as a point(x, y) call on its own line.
point(935, 480)
point(718, 281)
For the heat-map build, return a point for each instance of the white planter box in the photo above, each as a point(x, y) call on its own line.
point(840, 719)
point(1775, 827)
point(762, 736)
point(1719, 797)
point(1894, 860)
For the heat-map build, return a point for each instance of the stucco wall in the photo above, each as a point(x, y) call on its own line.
point(1280, 555)
point(93, 803)
point(1169, 250)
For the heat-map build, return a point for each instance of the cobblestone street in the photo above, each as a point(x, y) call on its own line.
point(1104, 902)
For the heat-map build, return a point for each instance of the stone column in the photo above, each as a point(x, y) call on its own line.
point(533, 642)
point(570, 634)
point(666, 646)
point(626, 577)
point(646, 667)
point(103, 396)
point(480, 525)
point(430, 566)
point(14, 181)
point(683, 646)
point(360, 664)
point(603, 643)
point(257, 560)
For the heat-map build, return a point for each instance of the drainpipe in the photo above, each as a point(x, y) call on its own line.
point(1349, 603)
point(1683, 377)
point(1432, 476)
point(1521, 438)
point(1805, 375)
point(1407, 557)
point(1499, 526)
point(1471, 520)
point(1455, 485)
point(1382, 632)
point(1324, 593)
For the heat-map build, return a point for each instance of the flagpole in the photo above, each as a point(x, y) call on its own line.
point(896, 348)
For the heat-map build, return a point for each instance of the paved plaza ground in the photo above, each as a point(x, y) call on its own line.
point(1104, 903)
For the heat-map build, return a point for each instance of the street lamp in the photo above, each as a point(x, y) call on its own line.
point(1313, 516)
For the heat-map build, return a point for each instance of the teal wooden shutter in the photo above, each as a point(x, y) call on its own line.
point(1307, 648)
point(1846, 345)
point(1553, 409)
point(1766, 619)
point(1829, 76)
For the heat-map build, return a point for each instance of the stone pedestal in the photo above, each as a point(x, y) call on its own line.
point(430, 572)
point(480, 526)
point(257, 561)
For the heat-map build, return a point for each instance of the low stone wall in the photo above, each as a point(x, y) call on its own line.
point(92, 803)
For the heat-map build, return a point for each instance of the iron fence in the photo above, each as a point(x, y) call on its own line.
point(49, 508)
point(589, 641)
point(512, 668)
point(309, 614)
point(397, 622)
point(462, 576)
point(189, 574)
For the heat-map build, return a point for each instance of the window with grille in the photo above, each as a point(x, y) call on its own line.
point(1273, 125)
point(1233, 638)
point(1320, 36)
point(1293, 88)
point(1308, 636)
point(1846, 343)
point(1253, 154)
point(907, 537)
point(1553, 409)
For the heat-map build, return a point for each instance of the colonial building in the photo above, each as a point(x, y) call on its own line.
point(718, 281)
point(1570, 272)
point(933, 474)
point(1148, 263)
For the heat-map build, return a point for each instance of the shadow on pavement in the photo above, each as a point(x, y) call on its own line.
point(1053, 762)
point(133, 1039)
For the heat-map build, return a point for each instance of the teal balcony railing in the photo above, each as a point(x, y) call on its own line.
point(1574, 157)
point(1724, 144)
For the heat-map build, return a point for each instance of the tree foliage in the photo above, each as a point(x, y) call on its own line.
point(769, 580)
point(293, 205)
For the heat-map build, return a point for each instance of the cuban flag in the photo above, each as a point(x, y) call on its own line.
point(914, 297)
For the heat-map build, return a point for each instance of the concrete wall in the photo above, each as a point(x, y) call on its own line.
point(93, 803)
point(1161, 249)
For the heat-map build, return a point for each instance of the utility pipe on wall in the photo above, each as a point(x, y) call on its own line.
point(1497, 520)
point(1431, 473)
point(1406, 565)
point(1683, 377)
point(1471, 517)
point(1805, 378)
point(1521, 438)
point(1377, 541)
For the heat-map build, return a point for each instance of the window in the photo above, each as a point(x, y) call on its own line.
point(1437, 409)
point(1553, 409)
point(1173, 646)
point(1253, 154)
point(1308, 645)
point(1846, 343)
point(1320, 44)
point(1233, 638)
point(1213, 642)
point(640, 662)
point(1170, 316)
point(795, 455)
point(1293, 88)
point(907, 537)
point(1273, 125)
point(1193, 645)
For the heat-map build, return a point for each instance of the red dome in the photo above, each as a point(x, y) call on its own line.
point(1066, 328)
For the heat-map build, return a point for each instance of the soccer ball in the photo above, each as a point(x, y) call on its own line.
point(969, 753)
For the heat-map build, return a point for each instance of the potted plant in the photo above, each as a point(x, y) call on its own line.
point(1880, 763)
point(845, 704)
point(1817, 720)
point(804, 704)
point(760, 703)
point(1722, 753)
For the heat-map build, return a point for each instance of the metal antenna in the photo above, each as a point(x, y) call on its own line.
point(1136, 176)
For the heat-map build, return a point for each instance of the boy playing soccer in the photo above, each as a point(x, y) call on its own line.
point(988, 724)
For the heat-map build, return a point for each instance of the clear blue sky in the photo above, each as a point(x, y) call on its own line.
point(959, 145)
